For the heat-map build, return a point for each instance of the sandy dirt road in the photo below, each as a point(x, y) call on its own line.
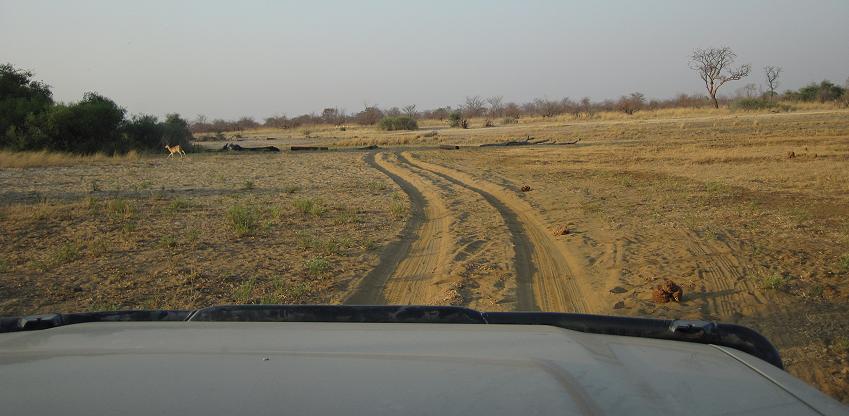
point(427, 267)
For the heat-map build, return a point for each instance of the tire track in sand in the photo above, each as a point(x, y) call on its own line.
point(469, 210)
point(559, 275)
point(521, 245)
point(410, 272)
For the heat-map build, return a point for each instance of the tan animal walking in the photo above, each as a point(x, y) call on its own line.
point(175, 149)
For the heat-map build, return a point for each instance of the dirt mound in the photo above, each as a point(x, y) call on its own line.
point(668, 291)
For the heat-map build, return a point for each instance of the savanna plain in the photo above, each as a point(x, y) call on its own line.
point(747, 211)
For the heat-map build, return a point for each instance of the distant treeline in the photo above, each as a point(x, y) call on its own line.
point(31, 120)
point(747, 97)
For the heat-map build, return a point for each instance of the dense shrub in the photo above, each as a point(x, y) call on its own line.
point(455, 119)
point(369, 116)
point(29, 120)
point(398, 123)
point(144, 131)
point(89, 126)
point(753, 104)
point(822, 92)
point(23, 103)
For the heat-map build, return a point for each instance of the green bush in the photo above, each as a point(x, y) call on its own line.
point(22, 102)
point(317, 265)
point(306, 206)
point(749, 104)
point(822, 92)
point(244, 220)
point(398, 123)
point(455, 119)
point(30, 120)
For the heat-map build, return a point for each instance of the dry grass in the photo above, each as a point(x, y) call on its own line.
point(706, 197)
point(158, 233)
point(713, 203)
point(564, 126)
point(44, 158)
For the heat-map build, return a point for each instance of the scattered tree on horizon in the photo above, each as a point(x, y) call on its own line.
point(714, 66)
point(772, 73)
point(474, 106)
point(410, 111)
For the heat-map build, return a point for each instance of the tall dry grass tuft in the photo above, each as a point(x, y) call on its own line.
point(43, 158)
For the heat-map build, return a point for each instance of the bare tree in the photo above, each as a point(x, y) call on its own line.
point(512, 110)
point(410, 111)
point(747, 91)
point(496, 106)
point(632, 103)
point(586, 106)
point(474, 106)
point(772, 73)
point(714, 68)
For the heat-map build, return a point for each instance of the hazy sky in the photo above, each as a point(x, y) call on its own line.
point(228, 59)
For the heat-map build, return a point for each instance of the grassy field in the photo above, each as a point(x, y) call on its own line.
point(712, 199)
point(210, 229)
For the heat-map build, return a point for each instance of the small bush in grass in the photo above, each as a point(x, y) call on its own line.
point(397, 207)
point(178, 204)
point(92, 204)
point(377, 185)
point(317, 265)
point(65, 254)
point(840, 345)
point(244, 293)
point(843, 264)
point(306, 206)
point(168, 241)
point(248, 185)
point(774, 281)
point(346, 216)
point(4, 266)
point(291, 189)
point(510, 120)
point(243, 219)
point(119, 208)
point(391, 123)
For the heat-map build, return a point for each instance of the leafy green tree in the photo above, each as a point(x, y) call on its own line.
point(175, 130)
point(22, 103)
point(144, 132)
point(89, 126)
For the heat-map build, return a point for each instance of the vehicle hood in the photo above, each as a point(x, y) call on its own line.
point(363, 368)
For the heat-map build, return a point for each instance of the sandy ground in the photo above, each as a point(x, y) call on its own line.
point(717, 204)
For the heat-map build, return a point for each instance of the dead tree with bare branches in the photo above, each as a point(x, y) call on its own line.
point(714, 68)
point(772, 73)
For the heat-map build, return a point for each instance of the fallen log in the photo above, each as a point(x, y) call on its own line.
point(565, 143)
point(304, 148)
point(237, 148)
point(527, 142)
point(509, 143)
point(449, 147)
